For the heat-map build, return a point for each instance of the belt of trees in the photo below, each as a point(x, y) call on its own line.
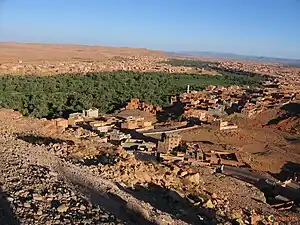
point(57, 96)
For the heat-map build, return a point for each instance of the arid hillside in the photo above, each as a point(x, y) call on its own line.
point(12, 52)
point(51, 59)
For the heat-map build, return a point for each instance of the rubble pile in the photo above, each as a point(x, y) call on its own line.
point(135, 103)
point(186, 181)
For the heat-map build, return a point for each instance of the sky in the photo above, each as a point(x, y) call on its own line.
point(248, 27)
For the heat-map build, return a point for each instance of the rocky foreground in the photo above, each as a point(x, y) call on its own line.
point(40, 188)
point(40, 185)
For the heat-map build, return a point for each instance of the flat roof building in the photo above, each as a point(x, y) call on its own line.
point(168, 143)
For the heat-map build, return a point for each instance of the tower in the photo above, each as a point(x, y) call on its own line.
point(188, 89)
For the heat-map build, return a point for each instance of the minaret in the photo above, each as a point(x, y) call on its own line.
point(188, 89)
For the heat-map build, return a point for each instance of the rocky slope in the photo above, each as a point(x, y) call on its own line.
point(41, 188)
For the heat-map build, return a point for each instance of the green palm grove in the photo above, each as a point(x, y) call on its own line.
point(56, 96)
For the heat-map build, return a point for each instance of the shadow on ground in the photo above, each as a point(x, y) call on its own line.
point(292, 108)
point(122, 202)
point(39, 140)
point(289, 170)
point(111, 203)
point(173, 203)
point(275, 192)
point(136, 135)
point(94, 160)
point(170, 113)
point(7, 216)
point(146, 157)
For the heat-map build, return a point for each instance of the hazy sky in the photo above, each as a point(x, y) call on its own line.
point(252, 27)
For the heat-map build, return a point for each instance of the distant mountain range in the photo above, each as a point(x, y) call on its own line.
point(287, 62)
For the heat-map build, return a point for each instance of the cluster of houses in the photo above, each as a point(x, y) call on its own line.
point(136, 123)
point(89, 124)
point(260, 100)
point(216, 102)
point(171, 147)
point(209, 106)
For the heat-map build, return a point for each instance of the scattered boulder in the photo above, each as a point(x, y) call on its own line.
point(62, 208)
point(37, 197)
point(237, 215)
point(209, 204)
point(214, 196)
point(175, 169)
point(164, 220)
point(183, 173)
point(39, 212)
point(82, 208)
point(193, 178)
point(144, 176)
point(27, 205)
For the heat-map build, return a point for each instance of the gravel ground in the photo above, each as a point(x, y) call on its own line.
point(40, 188)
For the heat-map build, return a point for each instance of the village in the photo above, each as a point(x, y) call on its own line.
point(162, 141)
point(193, 109)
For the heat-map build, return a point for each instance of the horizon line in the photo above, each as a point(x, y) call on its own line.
point(198, 52)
